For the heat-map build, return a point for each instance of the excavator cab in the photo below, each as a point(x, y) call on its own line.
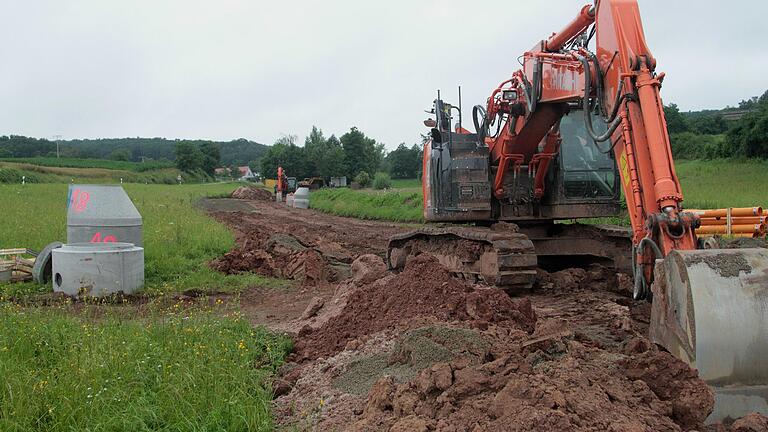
point(586, 172)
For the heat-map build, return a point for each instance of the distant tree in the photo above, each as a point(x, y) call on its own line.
point(749, 137)
point(676, 122)
point(330, 160)
point(688, 145)
point(188, 156)
point(405, 162)
point(379, 154)
point(712, 124)
point(210, 157)
point(287, 154)
point(120, 154)
point(750, 103)
point(361, 154)
point(314, 145)
point(764, 98)
point(18, 146)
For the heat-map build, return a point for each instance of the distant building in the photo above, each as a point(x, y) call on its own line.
point(222, 172)
point(246, 173)
point(735, 115)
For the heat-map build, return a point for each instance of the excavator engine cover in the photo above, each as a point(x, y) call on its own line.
point(710, 309)
point(457, 186)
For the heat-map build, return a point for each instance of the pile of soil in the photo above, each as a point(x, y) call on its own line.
point(554, 384)
point(281, 255)
point(252, 193)
point(424, 289)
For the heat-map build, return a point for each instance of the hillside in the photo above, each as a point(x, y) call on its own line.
point(235, 152)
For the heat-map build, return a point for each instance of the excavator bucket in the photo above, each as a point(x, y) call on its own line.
point(710, 309)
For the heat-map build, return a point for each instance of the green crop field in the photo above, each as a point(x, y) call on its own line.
point(178, 239)
point(92, 163)
point(52, 170)
point(706, 184)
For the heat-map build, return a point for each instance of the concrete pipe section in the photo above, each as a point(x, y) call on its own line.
point(98, 269)
point(301, 198)
point(102, 214)
point(710, 309)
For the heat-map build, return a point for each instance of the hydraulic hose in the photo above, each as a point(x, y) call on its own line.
point(586, 108)
point(642, 290)
point(480, 128)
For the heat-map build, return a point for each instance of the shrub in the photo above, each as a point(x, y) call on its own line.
point(363, 179)
point(688, 145)
point(382, 181)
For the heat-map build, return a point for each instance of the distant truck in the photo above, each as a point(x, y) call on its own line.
point(313, 183)
point(338, 182)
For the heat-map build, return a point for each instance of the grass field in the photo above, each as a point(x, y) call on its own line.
point(174, 370)
point(157, 364)
point(92, 163)
point(706, 184)
point(390, 205)
point(178, 239)
point(724, 183)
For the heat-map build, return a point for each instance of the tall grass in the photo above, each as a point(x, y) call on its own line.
point(178, 239)
point(172, 371)
point(383, 205)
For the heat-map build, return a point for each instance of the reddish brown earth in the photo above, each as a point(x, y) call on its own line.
point(420, 350)
point(252, 193)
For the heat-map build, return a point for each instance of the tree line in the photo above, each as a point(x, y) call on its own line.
point(349, 155)
point(710, 135)
point(236, 152)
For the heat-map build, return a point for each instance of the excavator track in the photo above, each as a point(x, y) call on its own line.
point(503, 258)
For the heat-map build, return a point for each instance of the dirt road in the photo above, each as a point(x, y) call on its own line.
point(421, 350)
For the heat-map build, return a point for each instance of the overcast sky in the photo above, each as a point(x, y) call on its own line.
point(227, 69)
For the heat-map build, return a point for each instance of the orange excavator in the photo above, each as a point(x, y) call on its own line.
point(578, 132)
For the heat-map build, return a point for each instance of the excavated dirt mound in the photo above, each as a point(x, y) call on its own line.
point(561, 385)
point(252, 193)
point(281, 255)
point(424, 288)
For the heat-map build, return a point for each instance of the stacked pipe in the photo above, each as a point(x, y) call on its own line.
point(734, 222)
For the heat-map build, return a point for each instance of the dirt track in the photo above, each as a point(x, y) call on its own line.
point(421, 350)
